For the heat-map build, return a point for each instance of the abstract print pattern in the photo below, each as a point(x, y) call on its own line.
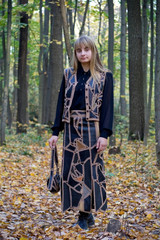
point(83, 179)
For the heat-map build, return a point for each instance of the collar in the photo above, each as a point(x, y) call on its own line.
point(81, 71)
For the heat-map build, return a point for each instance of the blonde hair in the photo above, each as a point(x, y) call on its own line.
point(96, 66)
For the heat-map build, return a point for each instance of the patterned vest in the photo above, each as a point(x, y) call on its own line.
point(93, 95)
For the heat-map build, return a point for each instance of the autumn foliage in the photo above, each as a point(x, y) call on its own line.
point(30, 211)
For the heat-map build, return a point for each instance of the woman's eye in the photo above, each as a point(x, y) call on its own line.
point(78, 50)
point(86, 49)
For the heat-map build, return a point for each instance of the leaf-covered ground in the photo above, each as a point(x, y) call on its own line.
point(29, 211)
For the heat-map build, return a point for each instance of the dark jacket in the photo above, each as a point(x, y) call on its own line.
point(101, 103)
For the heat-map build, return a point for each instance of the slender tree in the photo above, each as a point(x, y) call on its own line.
point(136, 117)
point(55, 60)
point(15, 77)
point(3, 52)
point(22, 71)
point(157, 84)
point(145, 60)
point(1, 80)
point(123, 59)
point(112, 140)
point(111, 34)
point(6, 75)
point(148, 110)
point(45, 61)
point(40, 67)
point(84, 18)
point(100, 25)
point(66, 30)
point(71, 20)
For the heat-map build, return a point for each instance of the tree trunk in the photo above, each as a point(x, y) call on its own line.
point(75, 13)
point(6, 75)
point(136, 118)
point(66, 30)
point(148, 110)
point(145, 61)
point(84, 18)
point(157, 84)
point(40, 69)
point(123, 59)
point(71, 23)
point(9, 113)
point(99, 28)
point(15, 77)
point(55, 60)
point(111, 34)
point(112, 140)
point(1, 80)
point(45, 61)
point(22, 73)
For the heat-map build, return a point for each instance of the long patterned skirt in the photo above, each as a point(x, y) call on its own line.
point(83, 179)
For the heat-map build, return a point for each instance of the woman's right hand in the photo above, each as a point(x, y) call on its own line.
point(52, 141)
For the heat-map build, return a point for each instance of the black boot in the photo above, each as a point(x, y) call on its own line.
point(90, 220)
point(83, 220)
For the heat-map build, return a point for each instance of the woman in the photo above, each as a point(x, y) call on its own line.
point(85, 112)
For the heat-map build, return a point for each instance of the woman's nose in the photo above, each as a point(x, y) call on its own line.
point(82, 52)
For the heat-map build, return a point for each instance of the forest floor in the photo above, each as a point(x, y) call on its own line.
point(29, 211)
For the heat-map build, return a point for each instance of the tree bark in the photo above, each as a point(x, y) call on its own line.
point(75, 13)
point(145, 61)
point(22, 73)
point(9, 113)
point(99, 27)
point(55, 60)
point(66, 30)
point(40, 67)
point(45, 61)
point(157, 84)
point(1, 80)
point(15, 77)
point(123, 59)
point(3, 59)
point(111, 34)
point(6, 75)
point(112, 140)
point(71, 21)
point(136, 118)
point(84, 18)
point(148, 110)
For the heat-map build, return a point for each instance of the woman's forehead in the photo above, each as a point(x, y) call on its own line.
point(82, 45)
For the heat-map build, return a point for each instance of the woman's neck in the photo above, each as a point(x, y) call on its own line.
point(85, 66)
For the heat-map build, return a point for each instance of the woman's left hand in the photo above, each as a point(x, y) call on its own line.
point(101, 144)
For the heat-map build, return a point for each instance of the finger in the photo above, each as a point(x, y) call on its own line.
point(98, 144)
point(101, 147)
point(51, 143)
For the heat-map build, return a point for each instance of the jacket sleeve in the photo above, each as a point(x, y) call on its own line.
point(106, 110)
point(58, 124)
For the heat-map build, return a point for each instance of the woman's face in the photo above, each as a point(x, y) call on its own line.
point(83, 54)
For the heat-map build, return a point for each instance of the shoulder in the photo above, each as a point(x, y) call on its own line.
point(109, 75)
point(107, 71)
point(108, 78)
point(69, 70)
